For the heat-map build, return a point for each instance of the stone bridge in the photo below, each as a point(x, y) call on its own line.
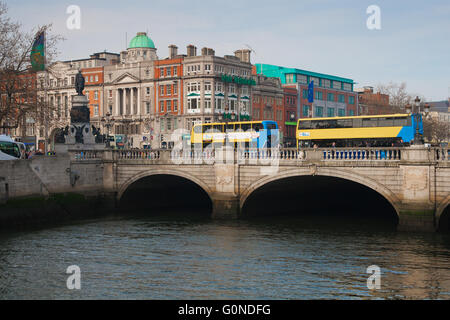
point(414, 180)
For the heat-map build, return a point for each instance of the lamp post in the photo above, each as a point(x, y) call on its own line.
point(415, 112)
point(107, 122)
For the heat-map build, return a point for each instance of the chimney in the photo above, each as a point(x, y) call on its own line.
point(243, 55)
point(191, 50)
point(204, 51)
point(211, 52)
point(173, 51)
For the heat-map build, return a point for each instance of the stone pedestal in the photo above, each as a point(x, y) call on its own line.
point(80, 131)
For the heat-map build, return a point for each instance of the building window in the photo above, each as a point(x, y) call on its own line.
point(147, 107)
point(95, 95)
point(289, 78)
point(341, 112)
point(168, 90)
point(316, 81)
point(161, 90)
point(351, 113)
point(305, 93)
point(219, 87)
point(208, 86)
point(319, 112)
point(168, 72)
point(319, 95)
point(95, 109)
point(207, 103)
point(96, 78)
point(330, 97)
point(169, 106)
point(175, 88)
point(347, 87)
point(161, 72)
point(161, 106)
point(169, 124)
point(110, 109)
point(232, 104)
point(279, 115)
point(337, 85)
point(351, 100)
point(330, 112)
point(175, 105)
point(148, 90)
point(219, 104)
point(193, 104)
point(341, 98)
point(175, 71)
point(305, 111)
point(232, 88)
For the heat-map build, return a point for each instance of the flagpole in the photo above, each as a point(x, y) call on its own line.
point(46, 110)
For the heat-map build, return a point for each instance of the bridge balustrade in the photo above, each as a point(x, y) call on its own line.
point(286, 154)
point(442, 154)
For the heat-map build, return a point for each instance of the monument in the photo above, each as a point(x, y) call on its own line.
point(79, 135)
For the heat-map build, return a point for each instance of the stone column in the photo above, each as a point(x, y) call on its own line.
point(124, 102)
point(132, 101)
point(117, 107)
point(138, 101)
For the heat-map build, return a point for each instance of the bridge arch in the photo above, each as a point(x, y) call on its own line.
point(441, 209)
point(155, 172)
point(327, 172)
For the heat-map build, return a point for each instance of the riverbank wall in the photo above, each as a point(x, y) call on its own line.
point(55, 188)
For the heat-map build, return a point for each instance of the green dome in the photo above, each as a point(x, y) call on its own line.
point(141, 41)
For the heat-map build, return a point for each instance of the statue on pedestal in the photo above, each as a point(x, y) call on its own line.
point(79, 83)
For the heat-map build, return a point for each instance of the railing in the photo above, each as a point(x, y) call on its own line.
point(287, 154)
point(87, 155)
point(362, 154)
point(323, 154)
point(442, 154)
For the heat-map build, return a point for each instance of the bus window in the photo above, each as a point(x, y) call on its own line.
point(357, 123)
point(304, 124)
point(229, 127)
point(370, 122)
point(206, 128)
point(257, 126)
point(10, 148)
point(218, 128)
point(198, 129)
point(400, 122)
point(344, 123)
point(385, 122)
point(270, 126)
point(246, 126)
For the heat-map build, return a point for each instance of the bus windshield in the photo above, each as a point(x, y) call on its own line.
point(10, 148)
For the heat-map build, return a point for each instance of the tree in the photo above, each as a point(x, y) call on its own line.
point(435, 130)
point(398, 96)
point(19, 92)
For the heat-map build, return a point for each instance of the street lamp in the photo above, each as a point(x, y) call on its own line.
point(107, 122)
point(417, 116)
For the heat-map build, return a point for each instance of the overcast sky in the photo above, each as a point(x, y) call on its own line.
point(324, 36)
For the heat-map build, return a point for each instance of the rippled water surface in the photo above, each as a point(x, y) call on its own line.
point(184, 258)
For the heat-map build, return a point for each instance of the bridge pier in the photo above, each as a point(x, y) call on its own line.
point(417, 218)
point(225, 206)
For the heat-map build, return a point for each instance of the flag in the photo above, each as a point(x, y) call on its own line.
point(37, 53)
point(311, 92)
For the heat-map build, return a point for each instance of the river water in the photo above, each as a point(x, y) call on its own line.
point(175, 257)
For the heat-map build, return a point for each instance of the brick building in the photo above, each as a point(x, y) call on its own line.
point(371, 103)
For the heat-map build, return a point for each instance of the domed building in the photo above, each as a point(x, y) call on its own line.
point(141, 48)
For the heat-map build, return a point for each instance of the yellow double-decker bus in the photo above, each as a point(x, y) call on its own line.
point(356, 131)
point(254, 134)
